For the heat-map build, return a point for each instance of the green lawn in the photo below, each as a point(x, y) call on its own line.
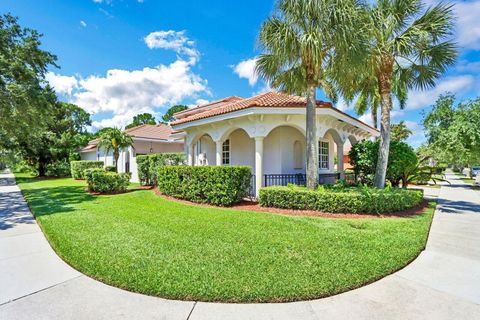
point(147, 244)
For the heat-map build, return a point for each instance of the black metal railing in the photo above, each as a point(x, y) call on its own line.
point(284, 179)
point(301, 179)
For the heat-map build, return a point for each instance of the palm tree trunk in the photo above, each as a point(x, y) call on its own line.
point(312, 142)
point(116, 155)
point(386, 106)
point(374, 118)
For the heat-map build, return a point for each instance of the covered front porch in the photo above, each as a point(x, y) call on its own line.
point(278, 157)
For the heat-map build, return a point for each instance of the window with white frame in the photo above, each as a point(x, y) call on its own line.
point(323, 159)
point(226, 153)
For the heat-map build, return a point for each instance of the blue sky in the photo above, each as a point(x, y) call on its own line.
point(119, 58)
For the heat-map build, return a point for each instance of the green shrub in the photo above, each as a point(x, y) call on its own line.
point(217, 185)
point(58, 169)
point(78, 167)
point(364, 155)
point(341, 200)
point(111, 169)
point(147, 165)
point(99, 180)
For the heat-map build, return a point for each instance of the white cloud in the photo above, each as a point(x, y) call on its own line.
point(121, 94)
point(172, 40)
point(468, 26)
point(246, 69)
point(201, 101)
point(455, 84)
point(468, 29)
point(126, 93)
point(83, 23)
point(62, 84)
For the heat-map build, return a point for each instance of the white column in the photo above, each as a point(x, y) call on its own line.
point(258, 165)
point(190, 154)
point(219, 149)
point(340, 160)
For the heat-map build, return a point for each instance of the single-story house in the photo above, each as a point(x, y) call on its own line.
point(267, 133)
point(147, 139)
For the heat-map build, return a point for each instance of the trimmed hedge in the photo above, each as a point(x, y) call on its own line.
point(217, 185)
point(78, 167)
point(345, 200)
point(111, 168)
point(99, 180)
point(147, 165)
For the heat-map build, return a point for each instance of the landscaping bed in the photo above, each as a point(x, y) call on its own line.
point(147, 244)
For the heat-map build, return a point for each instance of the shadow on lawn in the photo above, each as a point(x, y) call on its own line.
point(55, 199)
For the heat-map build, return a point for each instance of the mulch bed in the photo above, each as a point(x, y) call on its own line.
point(255, 207)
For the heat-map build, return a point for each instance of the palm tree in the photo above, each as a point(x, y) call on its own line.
point(407, 48)
point(301, 43)
point(113, 139)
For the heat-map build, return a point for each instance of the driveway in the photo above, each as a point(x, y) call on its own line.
point(442, 283)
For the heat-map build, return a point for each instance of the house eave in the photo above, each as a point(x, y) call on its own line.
point(279, 111)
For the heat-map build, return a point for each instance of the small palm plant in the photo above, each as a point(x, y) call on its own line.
point(301, 43)
point(406, 47)
point(114, 139)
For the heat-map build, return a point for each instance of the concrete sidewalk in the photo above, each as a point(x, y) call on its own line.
point(442, 283)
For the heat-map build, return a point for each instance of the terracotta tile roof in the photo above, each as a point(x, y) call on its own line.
point(146, 131)
point(269, 99)
point(89, 147)
point(206, 106)
point(151, 131)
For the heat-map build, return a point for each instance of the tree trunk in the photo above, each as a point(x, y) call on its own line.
point(116, 155)
point(312, 142)
point(373, 114)
point(41, 168)
point(386, 106)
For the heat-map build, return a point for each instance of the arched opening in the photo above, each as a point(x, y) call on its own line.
point(241, 148)
point(204, 151)
point(280, 151)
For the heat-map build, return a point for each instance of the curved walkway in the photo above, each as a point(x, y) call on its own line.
point(442, 283)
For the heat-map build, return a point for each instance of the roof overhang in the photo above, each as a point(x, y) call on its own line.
point(279, 111)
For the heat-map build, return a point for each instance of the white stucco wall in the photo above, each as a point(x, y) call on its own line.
point(92, 155)
point(242, 149)
point(129, 155)
point(205, 145)
point(278, 155)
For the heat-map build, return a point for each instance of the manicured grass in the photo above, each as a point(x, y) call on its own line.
point(147, 244)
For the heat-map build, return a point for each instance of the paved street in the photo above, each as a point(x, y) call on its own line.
point(442, 283)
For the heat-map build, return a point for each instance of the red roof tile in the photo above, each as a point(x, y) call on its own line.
point(269, 99)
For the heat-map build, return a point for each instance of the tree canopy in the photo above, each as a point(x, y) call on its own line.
point(143, 118)
point(25, 97)
point(168, 116)
point(400, 131)
point(453, 131)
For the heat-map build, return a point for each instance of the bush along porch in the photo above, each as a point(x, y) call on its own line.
point(147, 165)
point(217, 185)
point(341, 199)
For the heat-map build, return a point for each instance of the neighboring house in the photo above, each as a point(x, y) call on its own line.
point(267, 133)
point(147, 138)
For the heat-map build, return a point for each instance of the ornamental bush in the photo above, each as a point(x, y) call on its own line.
point(217, 185)
point(59, 168)
point(111, 168)
point(341, 200)
point(364, 155)
point(99, 180)
point(78, 167)
point(147, 165)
